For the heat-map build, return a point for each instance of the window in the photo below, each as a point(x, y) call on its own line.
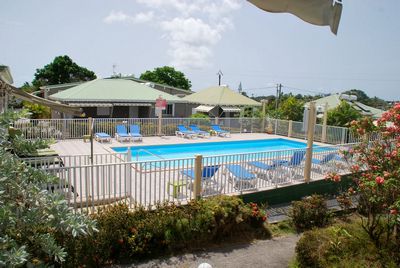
point(103, 110)
point(169, 110)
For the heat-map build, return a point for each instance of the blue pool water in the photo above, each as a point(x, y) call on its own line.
point(186, 150)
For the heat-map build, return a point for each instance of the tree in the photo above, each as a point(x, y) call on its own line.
point(342, 115)
point(168, 76)
point(35, 225)
point(61, 70)
point(375, 166)
point(292, 109)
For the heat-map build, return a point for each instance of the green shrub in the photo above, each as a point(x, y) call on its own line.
point(340, 245)
point(199, 115)
point(34, 224)
point(125, 234)
point(309, 212)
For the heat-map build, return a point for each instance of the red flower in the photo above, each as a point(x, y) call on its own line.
point(264, 218)
point(336, 178)
point(120, 241)
point(355, 168)
point(393, 211)
point(379, 180)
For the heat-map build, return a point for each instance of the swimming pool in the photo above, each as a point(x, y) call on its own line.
point(187, 150)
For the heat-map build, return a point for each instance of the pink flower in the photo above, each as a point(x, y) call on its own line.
point(336, 178)
point(379, 180)
point(386, 174)
point(361, 131)
point(353, 123)
point(355, 168)
point(393, 211)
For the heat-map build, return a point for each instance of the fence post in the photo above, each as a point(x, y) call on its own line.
point(128, 176)
point(344, 134)
point(197, 176)
point(325, 123)
point(160, 123)
point(310, 140)
point(290, 128)
point(276, 126)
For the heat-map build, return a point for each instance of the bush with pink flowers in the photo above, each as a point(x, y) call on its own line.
point(377, 176)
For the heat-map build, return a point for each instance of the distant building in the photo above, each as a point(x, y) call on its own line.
point(334, 100)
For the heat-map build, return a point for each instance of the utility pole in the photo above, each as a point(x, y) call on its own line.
point(278, 95)
point(220, 74)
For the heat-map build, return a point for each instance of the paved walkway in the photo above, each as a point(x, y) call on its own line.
point(273, 253)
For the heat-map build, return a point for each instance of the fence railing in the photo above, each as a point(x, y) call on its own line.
point(119, 179)
point(77, 128)
point(57, 161)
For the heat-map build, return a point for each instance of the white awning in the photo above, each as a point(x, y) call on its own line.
point(101, 104)
point(230, 109)
point(204, 108)
point(91, 104)
point(131, 104)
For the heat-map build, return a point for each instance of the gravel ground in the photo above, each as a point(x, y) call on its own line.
point(273, 253)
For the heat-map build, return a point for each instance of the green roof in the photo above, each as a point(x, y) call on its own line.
point(112, 90)
point(334, 100)
point(220, 95)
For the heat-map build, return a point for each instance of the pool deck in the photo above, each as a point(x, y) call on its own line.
point(79, 147)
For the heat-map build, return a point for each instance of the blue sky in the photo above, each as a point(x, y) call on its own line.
point(201, 37)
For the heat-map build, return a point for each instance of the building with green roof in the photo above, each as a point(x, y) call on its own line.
point(119, 98)
point(334, 100)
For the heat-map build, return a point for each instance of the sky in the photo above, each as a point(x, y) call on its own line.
point(199, 38)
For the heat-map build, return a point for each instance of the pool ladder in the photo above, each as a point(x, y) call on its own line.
point(150, 153)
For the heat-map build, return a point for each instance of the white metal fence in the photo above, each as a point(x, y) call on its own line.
point(77, 128)
point(116, 178)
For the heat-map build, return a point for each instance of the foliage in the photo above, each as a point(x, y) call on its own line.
point(125, 234)
point(379, 182)
point(24, 148)
point(28, 87)
point(168, 76)
point(282, 228)
point(199, 115)
point(342, 115)
point(292, 109)
point(37, 111)
point(376, 172)
point(309, 212)
point(61, 70)
point(340, 245)
point(33, 222)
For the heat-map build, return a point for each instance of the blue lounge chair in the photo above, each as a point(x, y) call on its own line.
point(220, 132)
point(321, 164)
point(184, 132)
point(121, 133)
point(102, 136)
point(240, 177)
point(209, 185)
point(295, 162)
point(263, 169)
point(199, 132)
point(134, 132)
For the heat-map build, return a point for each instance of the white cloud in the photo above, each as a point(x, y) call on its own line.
point(192, 28)
point(119, 16)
